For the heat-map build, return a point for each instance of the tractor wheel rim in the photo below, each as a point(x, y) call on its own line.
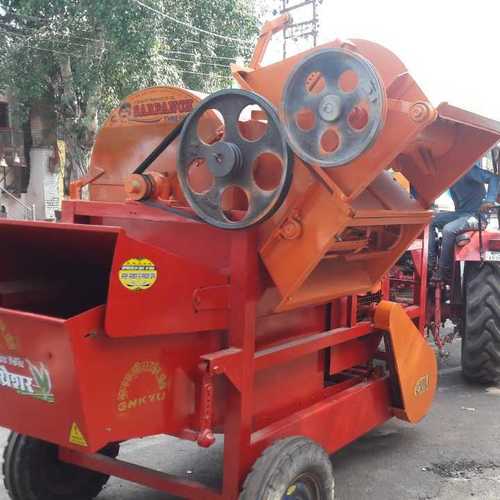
point(303, 487)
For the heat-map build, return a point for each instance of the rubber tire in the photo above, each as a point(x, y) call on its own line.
point(25, 467)
point(481, 337)
point(284, 461)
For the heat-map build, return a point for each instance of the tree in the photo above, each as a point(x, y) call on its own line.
point(84, 56)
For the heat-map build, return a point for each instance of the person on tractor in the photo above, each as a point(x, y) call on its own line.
point(471, 201)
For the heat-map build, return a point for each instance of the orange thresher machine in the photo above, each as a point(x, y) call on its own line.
point(227, 276)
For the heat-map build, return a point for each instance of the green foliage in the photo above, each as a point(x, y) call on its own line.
point(115, 47)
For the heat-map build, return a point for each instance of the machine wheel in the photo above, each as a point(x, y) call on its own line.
point(481, 338)
point(294, 468)
point(32, 471)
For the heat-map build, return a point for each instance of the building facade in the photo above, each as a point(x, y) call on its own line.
point(29, 163)
point(14, 167)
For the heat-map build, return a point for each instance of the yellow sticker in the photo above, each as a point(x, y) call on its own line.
point(76, 436)
point(138, 274)
point(291, 490)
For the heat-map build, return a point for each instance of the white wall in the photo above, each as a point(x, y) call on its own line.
point(39, 176)
point(38, 193)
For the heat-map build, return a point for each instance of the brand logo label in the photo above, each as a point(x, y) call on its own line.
point(163, 107)
point(422, 385)
point(138, 274)
point(26, 378)
point(151, 110)
point(154, 392)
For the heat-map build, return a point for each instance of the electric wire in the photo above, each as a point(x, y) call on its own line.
point(196, 62)
point(33, 18)
point(50, 50)
point(23, 38)
point(78, 37)
point(214, 74)
point(28, 37)
point(190, 26)
point(197, 42)
point(217, 75)
point(180, 52)
point(248, 43)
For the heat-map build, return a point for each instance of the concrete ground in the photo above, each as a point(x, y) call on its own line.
point(452, 455)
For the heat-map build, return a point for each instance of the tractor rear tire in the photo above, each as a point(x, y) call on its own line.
point(481, 336)
point(294, 468)
point(32, 471)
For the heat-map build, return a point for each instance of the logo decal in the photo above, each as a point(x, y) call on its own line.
point(152, 108)
point(163, 107)
point(154, 393)
point(138, 274)
point(422, 385)
point(34, 382)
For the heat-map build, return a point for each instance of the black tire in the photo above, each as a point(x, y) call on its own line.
point(294, 468)
point(481, 336)
point(32, 471)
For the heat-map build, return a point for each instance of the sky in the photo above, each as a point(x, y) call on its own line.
point(450, 47)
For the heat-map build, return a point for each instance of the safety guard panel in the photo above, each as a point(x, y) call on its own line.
point(64, 381)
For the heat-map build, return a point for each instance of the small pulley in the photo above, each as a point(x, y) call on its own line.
point(333, 107)
point(247, 159)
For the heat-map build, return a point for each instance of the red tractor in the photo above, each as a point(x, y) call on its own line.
point(472, 300)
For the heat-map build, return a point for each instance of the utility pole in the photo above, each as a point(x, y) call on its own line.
point(307, 26)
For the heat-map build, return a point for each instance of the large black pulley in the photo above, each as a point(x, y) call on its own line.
point(333, 107)
point(235, 160)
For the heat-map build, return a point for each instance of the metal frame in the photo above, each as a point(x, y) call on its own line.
point(419, 282)
point(306, 28)
point(338, 415)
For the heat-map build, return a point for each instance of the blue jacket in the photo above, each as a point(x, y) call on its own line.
point(469, 193)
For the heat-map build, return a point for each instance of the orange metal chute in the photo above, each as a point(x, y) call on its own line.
point(415, 363)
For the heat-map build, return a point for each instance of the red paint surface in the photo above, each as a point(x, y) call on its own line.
point(263, 374)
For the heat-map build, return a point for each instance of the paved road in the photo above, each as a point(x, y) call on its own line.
point(452, 455)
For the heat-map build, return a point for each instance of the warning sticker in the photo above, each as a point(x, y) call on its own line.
point(138, 274)
point(76, 436)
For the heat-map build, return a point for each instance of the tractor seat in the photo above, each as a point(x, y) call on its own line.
point(464, 238)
